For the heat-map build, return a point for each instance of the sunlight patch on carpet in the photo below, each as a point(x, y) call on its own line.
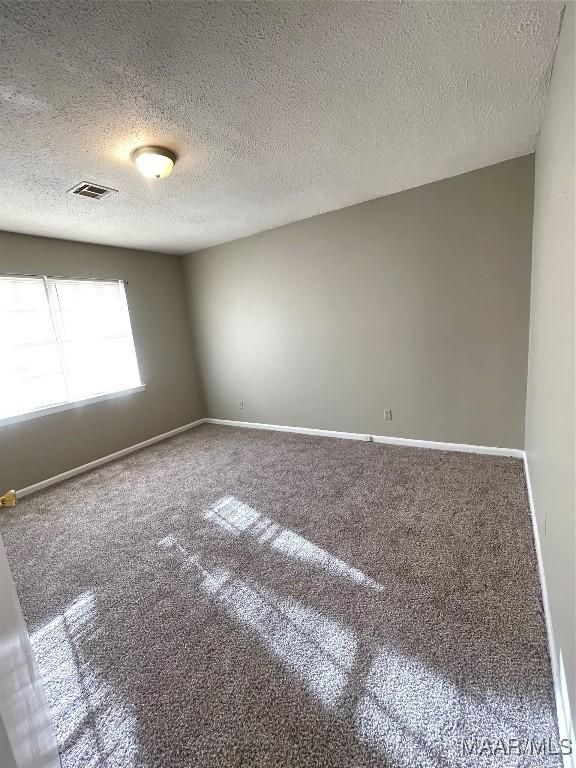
point(318, 650)
point(237, 518)
point(94, 727)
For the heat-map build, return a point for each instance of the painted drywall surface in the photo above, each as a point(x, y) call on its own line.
point(27, 734)
point(418, 302)
point(550, 399)
point(277, 110)
point(33, 450)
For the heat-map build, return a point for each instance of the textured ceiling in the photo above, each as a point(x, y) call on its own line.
point(277, 110)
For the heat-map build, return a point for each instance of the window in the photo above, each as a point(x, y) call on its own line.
point(62, 341)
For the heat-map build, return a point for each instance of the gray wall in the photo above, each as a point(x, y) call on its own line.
point(550, 404)
point(33, 450)
point(417, 301)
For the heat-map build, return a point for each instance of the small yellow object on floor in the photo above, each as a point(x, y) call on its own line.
point(8, 500)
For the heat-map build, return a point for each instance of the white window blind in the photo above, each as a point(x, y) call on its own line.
point(62, 340)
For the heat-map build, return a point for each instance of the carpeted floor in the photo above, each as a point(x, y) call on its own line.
point(245, 598)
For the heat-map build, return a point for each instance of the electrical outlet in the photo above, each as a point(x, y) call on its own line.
point(241, 404)
point(387, 414)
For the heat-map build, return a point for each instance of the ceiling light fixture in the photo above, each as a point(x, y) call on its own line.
point(154, 162)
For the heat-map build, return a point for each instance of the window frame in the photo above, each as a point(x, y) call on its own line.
point(71, 404)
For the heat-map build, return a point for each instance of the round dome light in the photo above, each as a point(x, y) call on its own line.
point(154, 162)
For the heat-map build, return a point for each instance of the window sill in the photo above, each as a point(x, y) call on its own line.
point(59, 407)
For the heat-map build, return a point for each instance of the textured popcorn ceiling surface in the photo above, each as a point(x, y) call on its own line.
point(277, 110)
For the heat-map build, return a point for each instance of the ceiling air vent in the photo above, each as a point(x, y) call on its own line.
point(95, 191)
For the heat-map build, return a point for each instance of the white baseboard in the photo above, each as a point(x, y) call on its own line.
point(104, 460)
point(274, 427)
point(463, 447)
point(299, 430)
point(565, 724)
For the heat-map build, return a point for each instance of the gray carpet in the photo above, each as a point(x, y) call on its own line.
point(246, 598)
